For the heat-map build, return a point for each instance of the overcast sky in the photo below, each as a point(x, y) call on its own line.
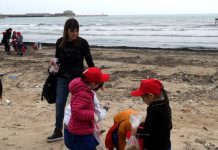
point(110, 7)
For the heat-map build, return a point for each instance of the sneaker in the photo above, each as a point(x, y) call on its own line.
point(56, 136)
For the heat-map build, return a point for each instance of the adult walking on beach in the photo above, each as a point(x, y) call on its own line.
point(6, 40)
point(71, 50)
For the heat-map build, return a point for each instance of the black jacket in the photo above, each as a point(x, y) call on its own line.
point(6, 37)
point(157, 127)
point(71, 58)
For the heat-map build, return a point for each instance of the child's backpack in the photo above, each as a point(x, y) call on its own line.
point(49, 89)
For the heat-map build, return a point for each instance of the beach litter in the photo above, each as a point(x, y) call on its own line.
point(205, 128)
point(8, 101)
point(185, 110)
point(13, 76)
point(207, 145)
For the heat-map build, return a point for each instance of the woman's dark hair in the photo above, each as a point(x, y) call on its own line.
point(71, 24)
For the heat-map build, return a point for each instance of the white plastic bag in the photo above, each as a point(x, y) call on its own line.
point(54, 67)
point(132, 143)
point(67, 114)
point(97, 135)
point(135, 120)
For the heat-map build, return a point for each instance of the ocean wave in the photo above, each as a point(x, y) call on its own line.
point(98, 24)
point(40, 33)
point(148, 29)
point(44, 24)
point(22, 24)
point(150, 35)
point(205, 25)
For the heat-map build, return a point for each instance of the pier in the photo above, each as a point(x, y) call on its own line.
point(66, 13)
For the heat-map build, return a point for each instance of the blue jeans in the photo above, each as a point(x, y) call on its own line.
point(61, 99)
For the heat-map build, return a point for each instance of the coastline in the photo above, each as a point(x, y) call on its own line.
point(188, 49)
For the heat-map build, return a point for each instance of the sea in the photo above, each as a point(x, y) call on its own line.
point(140, 31)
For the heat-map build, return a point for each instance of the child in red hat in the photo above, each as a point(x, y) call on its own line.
point(157, 126)
point(19, 43)
point(80, 129)
point(14, 40)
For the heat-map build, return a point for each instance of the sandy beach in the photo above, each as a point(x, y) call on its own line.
point(191, 79)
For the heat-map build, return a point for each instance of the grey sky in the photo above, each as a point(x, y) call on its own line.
point(110, 7)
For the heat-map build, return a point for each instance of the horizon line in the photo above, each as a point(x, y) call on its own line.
point(211, 13)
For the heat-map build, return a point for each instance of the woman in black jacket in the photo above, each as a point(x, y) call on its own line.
point(158, 123)
point(71, 50)
point(6, 40)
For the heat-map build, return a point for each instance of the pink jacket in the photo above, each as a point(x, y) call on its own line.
point(82, 108)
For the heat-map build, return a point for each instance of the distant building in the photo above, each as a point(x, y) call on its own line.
point(69, 13)
point(65, 13)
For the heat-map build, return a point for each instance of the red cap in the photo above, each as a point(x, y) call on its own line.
point(94, 74)
point(18, 33)
point(148, 86)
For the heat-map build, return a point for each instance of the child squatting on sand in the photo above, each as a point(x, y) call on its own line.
point(116, 136)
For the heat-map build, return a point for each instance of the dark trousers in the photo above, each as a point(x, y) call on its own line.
point(61, 99)
point(20, 52)
point(7, 47)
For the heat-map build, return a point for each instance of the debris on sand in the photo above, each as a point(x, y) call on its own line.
point(207, 145)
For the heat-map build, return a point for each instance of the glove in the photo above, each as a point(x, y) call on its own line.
point(107, 106)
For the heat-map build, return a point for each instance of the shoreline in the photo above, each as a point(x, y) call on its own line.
point(185, 49)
